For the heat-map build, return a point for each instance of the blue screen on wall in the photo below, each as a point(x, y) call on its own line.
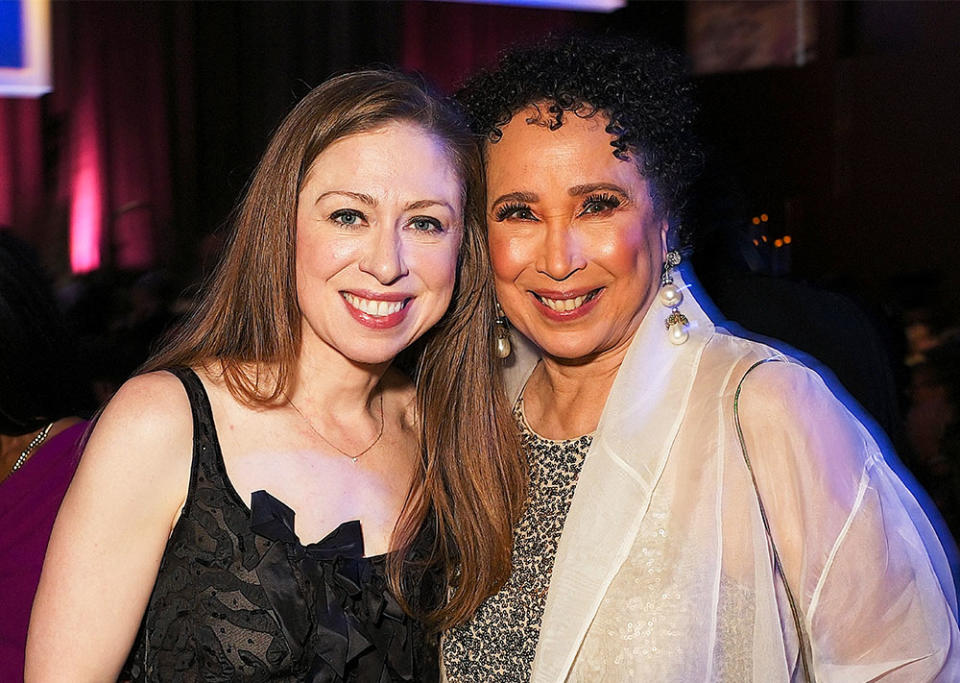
point(11, 34)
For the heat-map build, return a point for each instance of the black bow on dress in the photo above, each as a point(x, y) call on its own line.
point(331, 601)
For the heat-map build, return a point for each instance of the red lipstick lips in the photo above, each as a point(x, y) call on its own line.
point(377, 310)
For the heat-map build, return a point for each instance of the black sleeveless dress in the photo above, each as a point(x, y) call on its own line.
point(239, 598)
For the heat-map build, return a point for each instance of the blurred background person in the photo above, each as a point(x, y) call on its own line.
point(933, 426)
point(43, 393)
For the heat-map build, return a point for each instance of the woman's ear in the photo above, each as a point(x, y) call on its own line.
point(666, 235)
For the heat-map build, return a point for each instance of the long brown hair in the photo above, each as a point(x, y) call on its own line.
point(247, 321)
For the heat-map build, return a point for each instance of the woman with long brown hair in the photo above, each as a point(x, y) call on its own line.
point(177, 553)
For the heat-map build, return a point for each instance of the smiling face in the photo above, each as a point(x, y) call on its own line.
point(576, 246)
point(379, 224)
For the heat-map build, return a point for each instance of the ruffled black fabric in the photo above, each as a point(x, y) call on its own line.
point(354, 623)
point(239, 598)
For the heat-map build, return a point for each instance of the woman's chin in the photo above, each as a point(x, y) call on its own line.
point(571, 352)
point(372, 356)
point(368, 354)
point(573, 348)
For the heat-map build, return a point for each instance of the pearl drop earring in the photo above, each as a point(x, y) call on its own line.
point(671, 297)
point(502, 347)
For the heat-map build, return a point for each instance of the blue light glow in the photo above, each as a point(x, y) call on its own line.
point(577, 5)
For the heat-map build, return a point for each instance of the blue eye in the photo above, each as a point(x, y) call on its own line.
point(426, 224)
point(347, 217)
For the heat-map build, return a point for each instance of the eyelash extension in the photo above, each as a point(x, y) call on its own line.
point(507, 210)
point(603, 200)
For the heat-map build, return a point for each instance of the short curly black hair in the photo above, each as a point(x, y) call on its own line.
point(641, 88)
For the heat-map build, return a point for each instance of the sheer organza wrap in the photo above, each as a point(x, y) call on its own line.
point(664, 571)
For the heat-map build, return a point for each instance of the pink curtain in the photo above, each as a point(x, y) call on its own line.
point(93, 158)
point(449, 41)
point(21, 162)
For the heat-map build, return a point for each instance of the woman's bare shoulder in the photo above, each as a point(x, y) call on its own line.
point(147, 426)
point(152, 404)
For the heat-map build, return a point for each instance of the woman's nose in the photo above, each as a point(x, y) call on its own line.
point(383, 257)
point(561, 253)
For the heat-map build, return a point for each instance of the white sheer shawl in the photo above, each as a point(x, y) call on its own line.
point(664, 570)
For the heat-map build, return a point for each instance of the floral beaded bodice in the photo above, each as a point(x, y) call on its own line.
point(499, 642)
point(238, 597)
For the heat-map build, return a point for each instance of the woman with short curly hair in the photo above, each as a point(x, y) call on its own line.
point(700, 507)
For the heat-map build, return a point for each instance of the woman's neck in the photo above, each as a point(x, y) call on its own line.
point(330, 382)
point(10, 449)
point(12, 446)
point(564, 399)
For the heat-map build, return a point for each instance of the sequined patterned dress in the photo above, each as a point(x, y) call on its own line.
point(500, 640)
point(239, 598)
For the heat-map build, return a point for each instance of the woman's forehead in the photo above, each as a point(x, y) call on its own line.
point(578, 152)
point(401, 149)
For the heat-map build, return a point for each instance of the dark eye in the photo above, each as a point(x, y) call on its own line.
point(518, 211)
point(347, 217)
point(426, 224)
point(599, 203)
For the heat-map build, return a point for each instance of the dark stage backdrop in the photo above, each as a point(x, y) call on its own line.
point(160, 111)
point(96, 152)
point(158, 115)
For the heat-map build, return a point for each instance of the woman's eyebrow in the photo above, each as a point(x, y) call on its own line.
point(426, 203)
point(580, 190)
point(359, 196)
point(526, 197)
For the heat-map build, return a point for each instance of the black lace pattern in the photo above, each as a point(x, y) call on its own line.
point(239, 598)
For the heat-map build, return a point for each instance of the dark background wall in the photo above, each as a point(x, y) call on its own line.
point(854, 155)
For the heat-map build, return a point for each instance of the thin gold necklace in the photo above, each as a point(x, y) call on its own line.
point(316, 431)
